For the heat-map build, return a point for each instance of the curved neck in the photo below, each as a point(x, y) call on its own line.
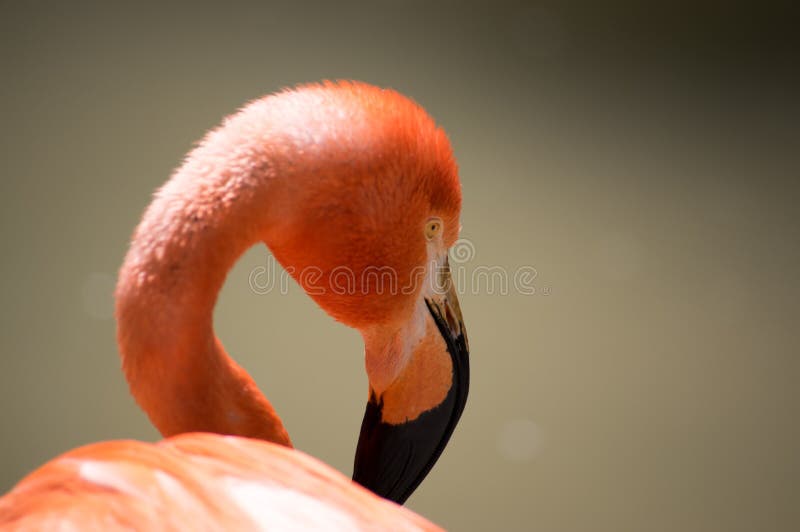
point(201, 221)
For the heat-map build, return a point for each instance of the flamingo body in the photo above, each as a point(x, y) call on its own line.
point(196, 482)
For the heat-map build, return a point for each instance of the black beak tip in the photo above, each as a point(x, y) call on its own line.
point(392, 460)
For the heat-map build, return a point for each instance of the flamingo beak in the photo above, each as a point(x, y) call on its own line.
point(392, 459)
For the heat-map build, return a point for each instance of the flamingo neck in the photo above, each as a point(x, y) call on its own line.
point(201, 221)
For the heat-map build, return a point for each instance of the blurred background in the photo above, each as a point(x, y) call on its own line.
point(638, 162)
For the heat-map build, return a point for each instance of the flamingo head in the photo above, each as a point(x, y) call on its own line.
point(368, 237)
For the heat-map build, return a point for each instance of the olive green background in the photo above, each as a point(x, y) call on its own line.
point(643, 159)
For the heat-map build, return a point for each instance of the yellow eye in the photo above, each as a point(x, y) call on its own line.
point(432, 228)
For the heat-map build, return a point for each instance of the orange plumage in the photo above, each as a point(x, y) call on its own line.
point(195, 482)
point(329, 176)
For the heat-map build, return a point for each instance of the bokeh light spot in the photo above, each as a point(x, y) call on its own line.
point(520, 440)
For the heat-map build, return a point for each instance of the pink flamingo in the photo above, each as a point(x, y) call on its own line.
point(329, 176)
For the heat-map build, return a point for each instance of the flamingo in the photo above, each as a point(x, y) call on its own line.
point(333, 177)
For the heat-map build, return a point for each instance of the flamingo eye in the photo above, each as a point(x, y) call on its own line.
point(432, 228)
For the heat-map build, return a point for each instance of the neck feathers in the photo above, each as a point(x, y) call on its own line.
point(198, 225)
